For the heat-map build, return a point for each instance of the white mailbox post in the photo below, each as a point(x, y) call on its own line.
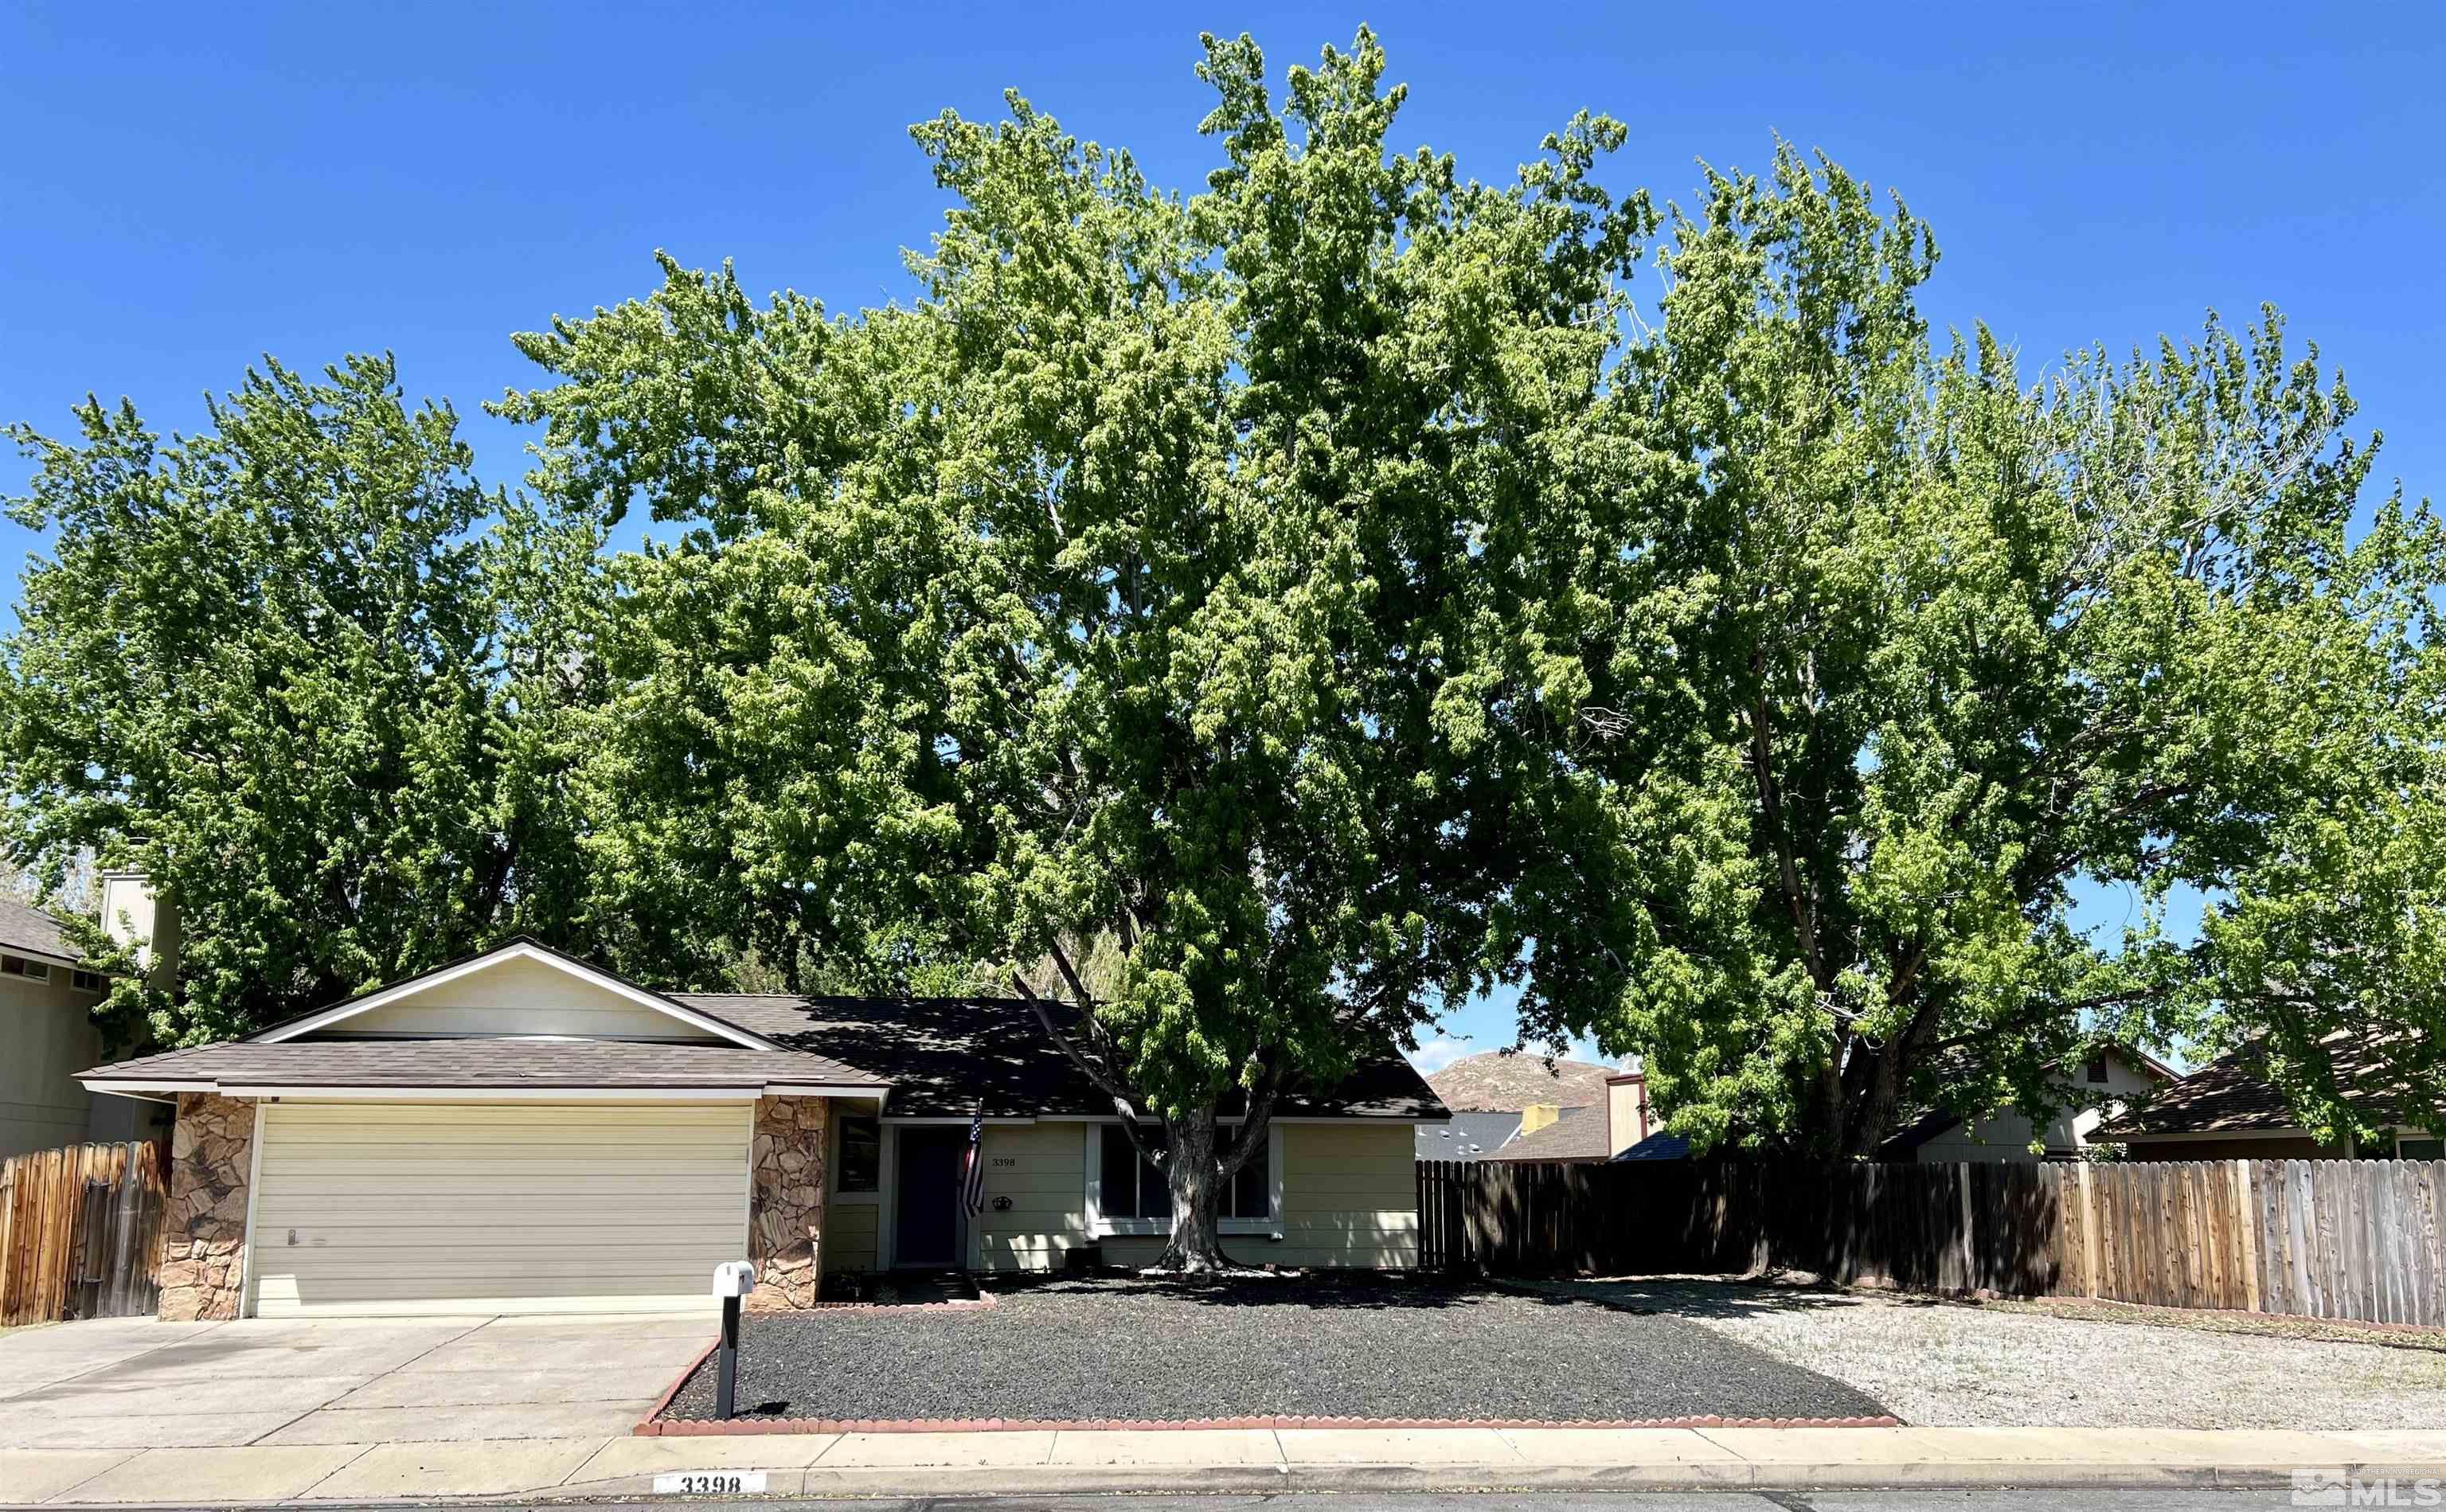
point(732, 1280)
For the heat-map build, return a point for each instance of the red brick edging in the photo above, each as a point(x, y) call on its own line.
point(698, 1427)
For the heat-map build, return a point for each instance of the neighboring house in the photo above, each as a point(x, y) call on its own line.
point(1658, 1146)
point(522, 1132)
point(1578, 1134)
point(2120, 1075)
point(2227, 1110)
point(46, 1000)
point(1465, 1136)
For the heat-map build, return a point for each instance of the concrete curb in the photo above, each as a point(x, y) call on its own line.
point(1716, 1476)
point(1222, 1481)
point(706, 1427)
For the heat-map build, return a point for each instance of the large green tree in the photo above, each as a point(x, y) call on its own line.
point(1121, 603)
point(1940, 641)
point(310, 676)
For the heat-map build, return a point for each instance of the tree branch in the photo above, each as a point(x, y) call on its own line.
point(1077, 988)
point(1771, 812)
point(1251, 1137)
point(1105, 1082)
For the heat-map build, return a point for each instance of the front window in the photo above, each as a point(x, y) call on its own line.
point(31, 971)
point(2412, 1149)
point(859, 1165)
point(1132, 1195)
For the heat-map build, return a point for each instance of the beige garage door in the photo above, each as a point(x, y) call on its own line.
point(389, 1208)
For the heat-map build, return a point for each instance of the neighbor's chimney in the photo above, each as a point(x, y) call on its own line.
point(1626, 1110)
point(131, 914)
point(1537, 1115)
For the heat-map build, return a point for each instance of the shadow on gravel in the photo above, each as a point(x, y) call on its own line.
point(1684, 1297)
point(1341, 1292)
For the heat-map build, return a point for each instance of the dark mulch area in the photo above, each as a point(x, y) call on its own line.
point(1073, 1349)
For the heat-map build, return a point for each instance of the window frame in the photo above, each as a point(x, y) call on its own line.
point(850, 1196)
point(1100, 1225)
point(2402, 1140)
point(86, 981)
point(27, 966)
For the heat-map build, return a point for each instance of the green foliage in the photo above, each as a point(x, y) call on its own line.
point(1122, 591)
point(1125, 595)
point(1924, 644)
point(281, 668)
point(1278, 612)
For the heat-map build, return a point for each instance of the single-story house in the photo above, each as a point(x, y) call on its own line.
point(1584, 1134)
point(2118, 1074)
point(2228, 1110)
point(523, 1132)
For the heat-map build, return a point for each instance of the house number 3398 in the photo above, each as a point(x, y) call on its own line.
point(710, 1483)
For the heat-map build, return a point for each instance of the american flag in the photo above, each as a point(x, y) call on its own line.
point(972, 1185)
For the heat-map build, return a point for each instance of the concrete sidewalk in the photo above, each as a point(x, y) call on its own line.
point(1213, 1460)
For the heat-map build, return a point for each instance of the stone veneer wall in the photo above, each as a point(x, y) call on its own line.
point(203, 1234)
point(786, 1205)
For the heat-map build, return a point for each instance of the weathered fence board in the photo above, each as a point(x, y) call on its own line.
point(2325, 1239)
point(81, 1233)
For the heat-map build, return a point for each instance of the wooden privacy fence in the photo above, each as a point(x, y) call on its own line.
point(2323, 1239)
point(81, 1233)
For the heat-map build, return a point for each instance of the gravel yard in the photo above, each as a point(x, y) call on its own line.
point(1385, 1347)
point(1944, 1363)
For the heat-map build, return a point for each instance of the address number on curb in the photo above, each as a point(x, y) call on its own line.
point(709, 1483)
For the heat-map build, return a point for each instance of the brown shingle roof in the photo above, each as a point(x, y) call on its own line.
point(23, 927)
point(1580, 1134)
point(2233, 1093)
point(939, 1056)
point(943, 1055)
point(484, 1063)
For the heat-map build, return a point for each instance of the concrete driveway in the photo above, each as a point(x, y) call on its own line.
point(135, 1383)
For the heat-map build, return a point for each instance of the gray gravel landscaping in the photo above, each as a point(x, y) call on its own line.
point(1383, 1346)
point(1949, 1364)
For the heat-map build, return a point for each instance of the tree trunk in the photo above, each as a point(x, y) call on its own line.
point(1196, 1191)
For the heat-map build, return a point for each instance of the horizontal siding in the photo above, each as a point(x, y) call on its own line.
point(1350, 1199)
point(1042, 1169)
point(849, 1236)
point(445, 1208)
point(520, 998)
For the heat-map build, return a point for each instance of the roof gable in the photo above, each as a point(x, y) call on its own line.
point(517, 990)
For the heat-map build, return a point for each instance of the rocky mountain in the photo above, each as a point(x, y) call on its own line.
point(1496, 1082)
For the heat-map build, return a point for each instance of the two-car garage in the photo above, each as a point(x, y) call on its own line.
point(456, 1207)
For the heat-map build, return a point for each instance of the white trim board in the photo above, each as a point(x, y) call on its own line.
point(253, 1191)
point(520, 951)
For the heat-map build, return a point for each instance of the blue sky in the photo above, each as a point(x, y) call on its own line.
point(188, 188)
